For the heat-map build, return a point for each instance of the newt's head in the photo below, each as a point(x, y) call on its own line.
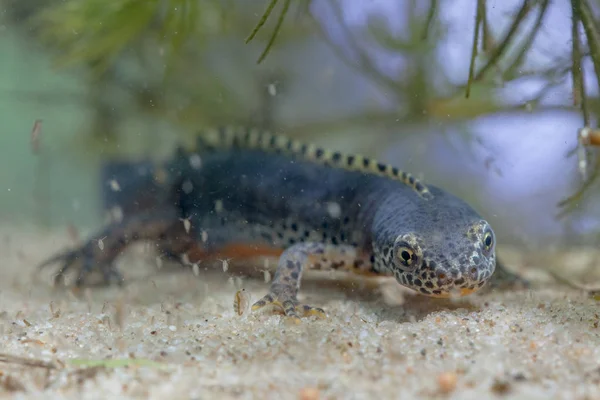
point(439, 247)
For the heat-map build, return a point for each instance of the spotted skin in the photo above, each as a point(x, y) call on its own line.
point(342, 258)
point(320, 209)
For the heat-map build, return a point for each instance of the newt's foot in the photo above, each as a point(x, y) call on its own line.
point(289, 305)
point(286, 282)
point(83, 261)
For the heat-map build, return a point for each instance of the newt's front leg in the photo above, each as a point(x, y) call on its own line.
point(292, 263)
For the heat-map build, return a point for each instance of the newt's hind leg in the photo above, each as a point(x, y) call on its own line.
point(286, 282)
point(100, 251)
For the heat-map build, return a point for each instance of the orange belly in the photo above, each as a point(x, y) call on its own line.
point(236, 250)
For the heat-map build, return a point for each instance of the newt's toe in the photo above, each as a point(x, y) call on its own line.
point(84, 263)
point(290, 306)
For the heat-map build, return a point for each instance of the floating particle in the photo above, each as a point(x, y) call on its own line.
point(267, 275)
point(116, 214)
point(241, 302)
point(195, 161)
point(186, 224)
point(196, 269)
point(204, 236)
point(334, 209)
point(218, 206)
point(272, 89)
point(185, 259)
point(36, 131)
point(225, 264)
point(114, 185)
point(187, 187)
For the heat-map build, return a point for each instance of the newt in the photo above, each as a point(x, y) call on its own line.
point(240, 192)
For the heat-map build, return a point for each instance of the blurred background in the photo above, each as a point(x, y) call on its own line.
point(385, 78)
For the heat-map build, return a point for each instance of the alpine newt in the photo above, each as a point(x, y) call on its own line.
point(239, 192)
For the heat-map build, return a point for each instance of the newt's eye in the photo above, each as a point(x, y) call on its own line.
point(488, 240)
point(406, 255)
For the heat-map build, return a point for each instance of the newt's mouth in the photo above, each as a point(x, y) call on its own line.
point(465, 292)
point(455, 293)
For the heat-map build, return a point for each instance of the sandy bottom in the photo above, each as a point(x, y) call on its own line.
point(170, 333)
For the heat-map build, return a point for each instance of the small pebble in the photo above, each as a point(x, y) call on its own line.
point(309, 394)
point(447, 382)
point(241, 302)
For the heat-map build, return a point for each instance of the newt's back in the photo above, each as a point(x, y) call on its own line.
point(267, 188)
